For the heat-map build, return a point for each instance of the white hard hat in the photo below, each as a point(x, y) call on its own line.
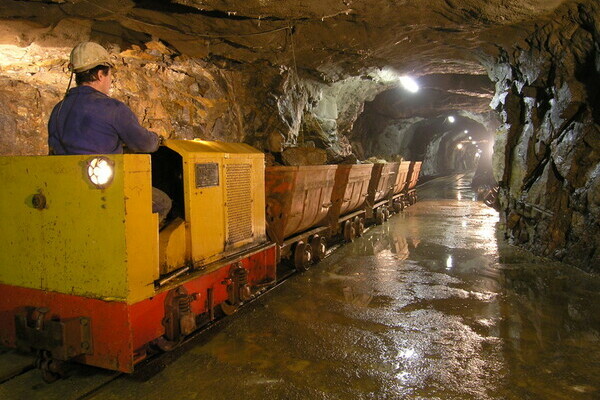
point(87, 55)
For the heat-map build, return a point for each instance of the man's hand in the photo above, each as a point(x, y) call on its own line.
point(162, 134)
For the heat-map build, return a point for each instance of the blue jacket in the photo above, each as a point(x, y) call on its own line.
point(89, 122)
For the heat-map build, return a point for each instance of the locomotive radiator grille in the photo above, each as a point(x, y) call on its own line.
point(239, 202)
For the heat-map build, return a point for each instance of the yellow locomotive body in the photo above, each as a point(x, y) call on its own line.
point(86, 274)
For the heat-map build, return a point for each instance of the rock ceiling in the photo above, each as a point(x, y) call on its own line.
point(321, 37)
point(323, 40)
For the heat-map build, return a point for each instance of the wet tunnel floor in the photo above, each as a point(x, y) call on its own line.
point(431, 305)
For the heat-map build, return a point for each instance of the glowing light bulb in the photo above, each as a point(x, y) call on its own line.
point(409, 84)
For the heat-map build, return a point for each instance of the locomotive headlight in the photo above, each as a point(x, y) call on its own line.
point(100, 170)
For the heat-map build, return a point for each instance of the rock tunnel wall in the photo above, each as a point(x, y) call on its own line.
point(547, 152)
point(173, 95)
point(181, 97)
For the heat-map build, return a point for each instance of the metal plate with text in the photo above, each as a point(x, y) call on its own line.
point(207, 175)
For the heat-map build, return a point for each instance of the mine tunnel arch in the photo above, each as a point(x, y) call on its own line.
point(426, 127)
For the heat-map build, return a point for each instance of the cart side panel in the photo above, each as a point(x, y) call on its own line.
point(311, 198)
point(279, 186)
point(413, 174)
point(356, 188)
point(402, 177)
point(298, 198)
point(387, 180)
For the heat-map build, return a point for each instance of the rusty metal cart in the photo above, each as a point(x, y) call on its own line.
point(298, 200)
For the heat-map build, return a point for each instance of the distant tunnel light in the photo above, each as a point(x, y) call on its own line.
point(449, 261)
point(409, 84)
point(459, 146)
point(451, 119)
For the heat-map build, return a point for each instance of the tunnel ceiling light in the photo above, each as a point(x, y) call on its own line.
point(467, 131)
point(449, 261)
point(470, 138)
point(409, 84)
point(459, 146)
point(451, 119)
point(474, 142)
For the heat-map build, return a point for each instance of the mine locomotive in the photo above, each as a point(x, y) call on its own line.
point(87, 275)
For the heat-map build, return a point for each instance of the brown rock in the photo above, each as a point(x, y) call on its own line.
point(523, 236)
point(304, 156)
point(512, 220)
point(275, 141)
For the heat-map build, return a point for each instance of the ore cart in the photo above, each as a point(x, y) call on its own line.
point(413, 178)
point(380, 189)
point(399, 198)
point(350, 191)
point(298, 200)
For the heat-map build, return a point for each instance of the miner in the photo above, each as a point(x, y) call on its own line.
point(89, 121)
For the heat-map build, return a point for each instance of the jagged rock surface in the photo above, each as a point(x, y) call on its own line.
point(547, 153)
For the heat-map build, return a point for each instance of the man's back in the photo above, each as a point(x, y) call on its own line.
point(89, 122)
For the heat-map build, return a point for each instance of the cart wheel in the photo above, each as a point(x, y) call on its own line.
point(359, 226)
point(386, 213)
point(348, 231)
point(51, 369)
point(318, 245)
point(379, 216)
point(397, 205)
point(163, 344)
point(302, 256)
point(229, 309)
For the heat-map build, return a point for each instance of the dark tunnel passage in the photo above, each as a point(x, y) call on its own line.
point(414, 126)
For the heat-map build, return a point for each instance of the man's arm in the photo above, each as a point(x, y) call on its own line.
point(136, 137)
